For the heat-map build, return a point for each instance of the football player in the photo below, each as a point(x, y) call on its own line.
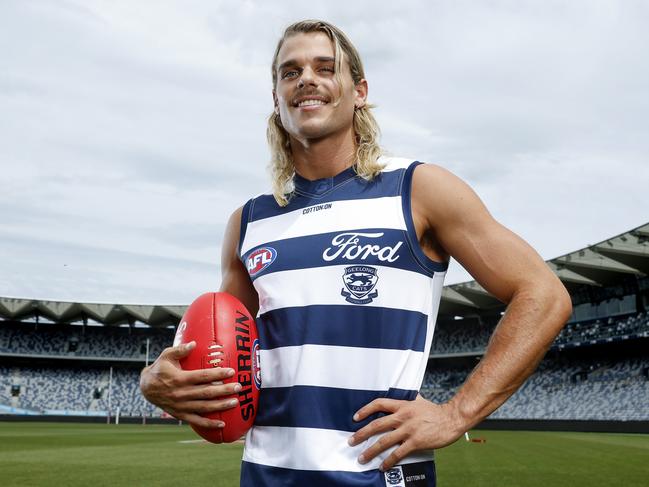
point(346, 304)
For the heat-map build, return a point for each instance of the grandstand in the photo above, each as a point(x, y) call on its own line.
point(83, 359)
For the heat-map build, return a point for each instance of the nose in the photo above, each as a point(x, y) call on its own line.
point(306, 78)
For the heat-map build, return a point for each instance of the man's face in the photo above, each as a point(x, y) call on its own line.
point(306, 88)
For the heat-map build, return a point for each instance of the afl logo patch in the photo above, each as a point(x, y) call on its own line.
point(260, 259)
point(256, 369)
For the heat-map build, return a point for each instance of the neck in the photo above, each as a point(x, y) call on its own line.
point(324, 158)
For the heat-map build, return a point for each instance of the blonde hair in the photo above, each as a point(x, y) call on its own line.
point(366, 129)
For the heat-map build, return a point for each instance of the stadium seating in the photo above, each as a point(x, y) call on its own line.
point(77, 341)
point(100, 341)
point(74, 390)
point(559, 389)
point(564, 389)
point(604, 330)
point(460, 338)
point(617, 390)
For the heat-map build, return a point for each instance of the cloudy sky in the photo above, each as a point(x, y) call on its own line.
point(130, 130)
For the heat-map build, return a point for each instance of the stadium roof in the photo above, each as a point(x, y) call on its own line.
point(599, 265)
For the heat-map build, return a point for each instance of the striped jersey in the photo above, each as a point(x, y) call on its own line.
point(348, 303)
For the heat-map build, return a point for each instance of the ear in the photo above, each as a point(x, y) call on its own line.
point(275, 103)
point(361, 94)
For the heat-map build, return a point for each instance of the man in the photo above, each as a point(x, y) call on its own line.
point(358, 248)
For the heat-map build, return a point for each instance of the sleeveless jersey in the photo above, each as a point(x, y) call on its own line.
point(348, 303)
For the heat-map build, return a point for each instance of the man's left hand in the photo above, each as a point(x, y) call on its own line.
point(414, 425)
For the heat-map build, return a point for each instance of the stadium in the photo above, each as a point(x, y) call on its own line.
point(67, 365)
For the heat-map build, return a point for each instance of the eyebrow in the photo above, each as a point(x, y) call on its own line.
point(293, 62)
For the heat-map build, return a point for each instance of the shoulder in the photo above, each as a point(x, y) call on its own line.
point(430, 173)
point(233, 226)
point(430, 182)
point(444, 197)
point(239, 219)
point(438, 177)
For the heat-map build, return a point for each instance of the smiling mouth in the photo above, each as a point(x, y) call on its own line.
point(310, 102)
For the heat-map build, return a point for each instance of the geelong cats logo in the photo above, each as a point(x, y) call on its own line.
point(394, 477)
point(359, 280)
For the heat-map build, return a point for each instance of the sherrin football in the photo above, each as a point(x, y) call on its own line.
point(225, 336)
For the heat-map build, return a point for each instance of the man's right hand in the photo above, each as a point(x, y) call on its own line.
point(186, 394)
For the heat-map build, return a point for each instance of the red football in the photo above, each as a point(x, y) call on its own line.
point(225, 336)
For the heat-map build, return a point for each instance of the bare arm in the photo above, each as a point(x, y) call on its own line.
point(188, 394)
point(234, 276)
point(446, 209)
point(511, 270)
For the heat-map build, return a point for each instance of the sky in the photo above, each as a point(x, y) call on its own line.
point(130, 130)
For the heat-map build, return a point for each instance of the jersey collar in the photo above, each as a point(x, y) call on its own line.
point(321, 186)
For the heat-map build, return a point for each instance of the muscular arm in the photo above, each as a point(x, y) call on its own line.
point(507, 267)
point(447, 212)
point(234, 277)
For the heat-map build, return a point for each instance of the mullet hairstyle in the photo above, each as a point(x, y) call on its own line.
point(366, 129)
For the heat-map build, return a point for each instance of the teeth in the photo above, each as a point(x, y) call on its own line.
point(307, 103)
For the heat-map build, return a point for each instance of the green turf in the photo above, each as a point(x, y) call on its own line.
point(61, 455)
point(548, 459)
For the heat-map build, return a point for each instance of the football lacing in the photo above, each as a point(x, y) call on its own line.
point(215, 353)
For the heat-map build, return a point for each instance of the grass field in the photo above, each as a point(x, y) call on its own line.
point(61, 455)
